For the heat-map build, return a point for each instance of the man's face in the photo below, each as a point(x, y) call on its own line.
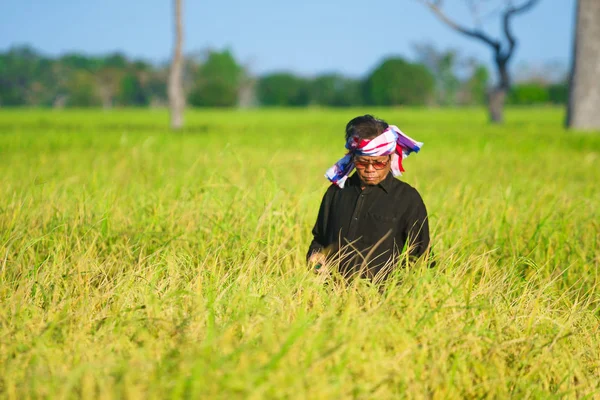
point(372, 170)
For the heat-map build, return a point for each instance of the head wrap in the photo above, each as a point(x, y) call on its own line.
point(392, 141)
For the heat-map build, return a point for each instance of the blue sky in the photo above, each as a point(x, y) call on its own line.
point(307, 37)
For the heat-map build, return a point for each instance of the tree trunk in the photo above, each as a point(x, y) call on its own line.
point(584, 94)
point(176, 95)
point(497, 96)
point(106, 96)
point(496, 105)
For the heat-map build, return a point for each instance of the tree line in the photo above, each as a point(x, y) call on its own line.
point(217, 79)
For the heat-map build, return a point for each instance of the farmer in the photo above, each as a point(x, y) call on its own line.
point(367, 220)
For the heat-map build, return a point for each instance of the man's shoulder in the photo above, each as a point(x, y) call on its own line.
point(331, 191)
point(333, 188)
point(403, 187)
point(404, 192)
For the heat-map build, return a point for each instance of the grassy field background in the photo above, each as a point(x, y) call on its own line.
point(139, 263)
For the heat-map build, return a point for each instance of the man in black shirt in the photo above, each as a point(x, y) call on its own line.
point(367, 221)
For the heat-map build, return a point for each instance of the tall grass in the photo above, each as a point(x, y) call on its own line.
point(139, 263)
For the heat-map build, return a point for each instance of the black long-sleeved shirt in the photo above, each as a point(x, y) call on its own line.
point(367, 229)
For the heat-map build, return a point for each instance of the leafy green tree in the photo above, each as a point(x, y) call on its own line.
point(76, 80)
point(350, 95)
point(82, 90)
point(132, 92)
point(217, 81)
point(336, 91)
point(108, 80)
point(448, 80)
point(17, 69)
point(398, 82)
point(156, 87)
point(528, 93)
point(477, 85)
point(43, 85)
point(75, 61)
point(115, 60)
point(558, 93)
point(283, 89)
point(443, 66)
point(25, 78)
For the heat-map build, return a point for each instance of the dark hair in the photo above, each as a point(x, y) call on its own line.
point(365, 127)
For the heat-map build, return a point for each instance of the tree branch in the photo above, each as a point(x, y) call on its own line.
point(434, 6)
point(508, 14)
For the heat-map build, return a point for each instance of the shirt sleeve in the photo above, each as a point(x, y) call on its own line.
point(418, 230)
point(319, 231)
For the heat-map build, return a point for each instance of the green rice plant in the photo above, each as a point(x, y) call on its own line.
point(140, 263)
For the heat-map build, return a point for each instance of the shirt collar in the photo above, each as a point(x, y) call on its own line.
point(385, 184)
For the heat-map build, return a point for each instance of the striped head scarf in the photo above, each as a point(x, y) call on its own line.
point(392, 141)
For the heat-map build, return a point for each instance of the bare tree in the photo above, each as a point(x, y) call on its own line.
point(584, 95)
point(176, 94)
point(502, 48)
point(108, 81)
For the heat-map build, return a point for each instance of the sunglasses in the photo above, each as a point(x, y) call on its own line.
point(376, 164)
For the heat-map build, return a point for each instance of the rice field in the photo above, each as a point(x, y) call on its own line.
point(140, 263)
